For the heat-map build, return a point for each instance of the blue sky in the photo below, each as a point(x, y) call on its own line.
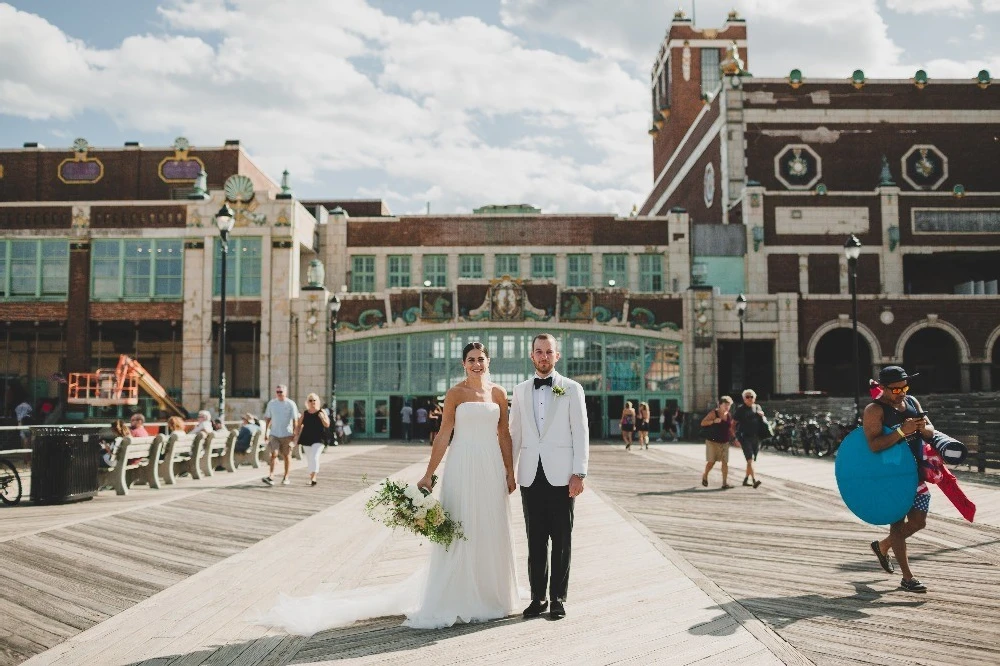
point(535, 101)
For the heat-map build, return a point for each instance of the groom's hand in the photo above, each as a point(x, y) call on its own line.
point(575, 485)
point(511, 483)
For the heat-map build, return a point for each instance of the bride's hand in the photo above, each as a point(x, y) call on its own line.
point(511, 483)
point(426, 483)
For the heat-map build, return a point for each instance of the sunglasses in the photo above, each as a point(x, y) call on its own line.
point(898, 390)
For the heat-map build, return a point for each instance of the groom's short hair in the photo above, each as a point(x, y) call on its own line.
point(548, 336)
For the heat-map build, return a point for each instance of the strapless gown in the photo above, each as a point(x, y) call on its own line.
point(472, 581)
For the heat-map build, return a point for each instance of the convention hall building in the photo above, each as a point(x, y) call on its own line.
point(757, 184)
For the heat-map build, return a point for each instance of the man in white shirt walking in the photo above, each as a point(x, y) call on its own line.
point(280, 415)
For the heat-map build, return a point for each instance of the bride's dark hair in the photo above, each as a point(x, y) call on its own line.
point(474, 345)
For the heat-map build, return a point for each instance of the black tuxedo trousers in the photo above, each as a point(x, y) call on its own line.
point(548, 516)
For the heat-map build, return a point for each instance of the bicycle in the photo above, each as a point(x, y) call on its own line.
point(10, 483)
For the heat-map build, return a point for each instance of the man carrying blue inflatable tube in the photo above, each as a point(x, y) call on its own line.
point(892, 418)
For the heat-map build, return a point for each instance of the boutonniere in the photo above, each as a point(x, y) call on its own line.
point(558, 391)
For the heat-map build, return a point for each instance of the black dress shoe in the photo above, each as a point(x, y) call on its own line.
point(556, 611)
point(535, 609)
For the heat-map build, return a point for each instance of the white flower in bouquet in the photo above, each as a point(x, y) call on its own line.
point(413, 493)
point(420, 513)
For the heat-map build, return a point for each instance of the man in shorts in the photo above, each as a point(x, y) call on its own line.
point(906, 421)
point(280, 416)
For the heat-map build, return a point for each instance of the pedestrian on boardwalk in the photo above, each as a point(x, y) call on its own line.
point(406, 416)
point(628, 424)
point(280, 416)
point(749, 419)
point(434, 421)
point(718, 425)
point(642, 425)
point(678, 420)
point(309, 433)
point(906, 421)
point(422, 423)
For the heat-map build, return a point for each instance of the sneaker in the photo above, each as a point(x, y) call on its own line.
point(913, 585)
point(746, 480)
point(268, 480)
point(285, 481)
point(756, 484)
point(313, 482)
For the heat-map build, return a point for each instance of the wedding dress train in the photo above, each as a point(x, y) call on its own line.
point(474, 580)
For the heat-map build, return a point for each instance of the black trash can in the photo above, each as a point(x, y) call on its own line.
point(63, 465)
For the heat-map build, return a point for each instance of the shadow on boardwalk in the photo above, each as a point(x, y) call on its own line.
point(780, 612)
point(365, 639)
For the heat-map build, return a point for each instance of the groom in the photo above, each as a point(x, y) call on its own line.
point(548, 426)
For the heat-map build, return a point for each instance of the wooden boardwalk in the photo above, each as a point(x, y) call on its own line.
point(664, 571)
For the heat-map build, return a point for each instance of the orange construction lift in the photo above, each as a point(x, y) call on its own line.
point(119, 387)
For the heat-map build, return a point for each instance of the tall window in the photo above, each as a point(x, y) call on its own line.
point(470, 266)
point(363, 273)
point(399, 270)
point(436, 269)
point(136, 269)
point(650, 272)
point(243, 267)
point(508, 264)
point(578, 270)
point(711, 74)
point(615, 269)
point(36, 269)
point(543, 266)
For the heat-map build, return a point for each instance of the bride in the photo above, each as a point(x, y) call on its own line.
point(472, 581)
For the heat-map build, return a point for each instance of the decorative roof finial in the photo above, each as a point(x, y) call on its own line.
point(286, 188)
point(885, 177)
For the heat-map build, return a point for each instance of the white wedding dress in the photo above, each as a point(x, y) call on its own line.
point(473, 581)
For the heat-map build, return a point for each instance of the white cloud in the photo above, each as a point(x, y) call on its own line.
point(991, 5)
point(954, 7)
point(979, 32)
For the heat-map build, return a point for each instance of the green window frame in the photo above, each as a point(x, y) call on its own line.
point(651, 272)
point(136, 269)
point(578, 270)
point(363, 272)
point(470, 266)
point(399, 270)
point(543, 266)
point(34, 269)
point(243, 267)
point(436, 270)
point(616, 268)
point(508, 264)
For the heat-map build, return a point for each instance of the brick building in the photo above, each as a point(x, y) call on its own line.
point(775, 174)
point(757, 184)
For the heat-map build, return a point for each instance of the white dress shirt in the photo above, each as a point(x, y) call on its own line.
point(540, 398)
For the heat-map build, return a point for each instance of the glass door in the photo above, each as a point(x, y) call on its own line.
point(381, 420)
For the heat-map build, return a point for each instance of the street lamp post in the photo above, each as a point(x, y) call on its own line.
point(741, 312)
point(334, 309)
point(224, 220)
point(852, 250)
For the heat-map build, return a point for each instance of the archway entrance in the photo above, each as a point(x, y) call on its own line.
point(995, 366)
point(934, 354)
point(834, 363)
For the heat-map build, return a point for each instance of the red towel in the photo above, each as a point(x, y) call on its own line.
point(937, 473)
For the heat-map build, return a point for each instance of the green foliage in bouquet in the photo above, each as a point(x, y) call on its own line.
point(414, 509)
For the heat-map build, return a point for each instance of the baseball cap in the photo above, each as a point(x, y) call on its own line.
point(891, 374)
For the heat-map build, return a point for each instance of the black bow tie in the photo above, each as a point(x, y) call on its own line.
point(539, 382)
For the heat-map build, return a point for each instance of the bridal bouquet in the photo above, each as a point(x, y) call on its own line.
point(404, 505)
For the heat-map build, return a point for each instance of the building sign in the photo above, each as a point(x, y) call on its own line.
point(951, 221)
point(80, 169)
point(180, 168)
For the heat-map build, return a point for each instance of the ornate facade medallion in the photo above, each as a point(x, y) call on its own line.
point(709, 185)
point(180, 168)
point(924, 167)
point(506, 301)
point(797, 166)
point(436, 306)
point(80, 169)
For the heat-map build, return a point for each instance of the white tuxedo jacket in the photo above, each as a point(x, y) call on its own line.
point(564, 443)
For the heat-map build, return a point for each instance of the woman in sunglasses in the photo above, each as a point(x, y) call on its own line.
point(900, 417)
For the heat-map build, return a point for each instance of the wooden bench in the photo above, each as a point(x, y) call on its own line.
point(181, 454)
point(136, 459)
point(219, 451)
point(252, 455)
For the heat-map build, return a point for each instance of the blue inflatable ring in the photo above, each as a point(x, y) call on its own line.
point(877, 487)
